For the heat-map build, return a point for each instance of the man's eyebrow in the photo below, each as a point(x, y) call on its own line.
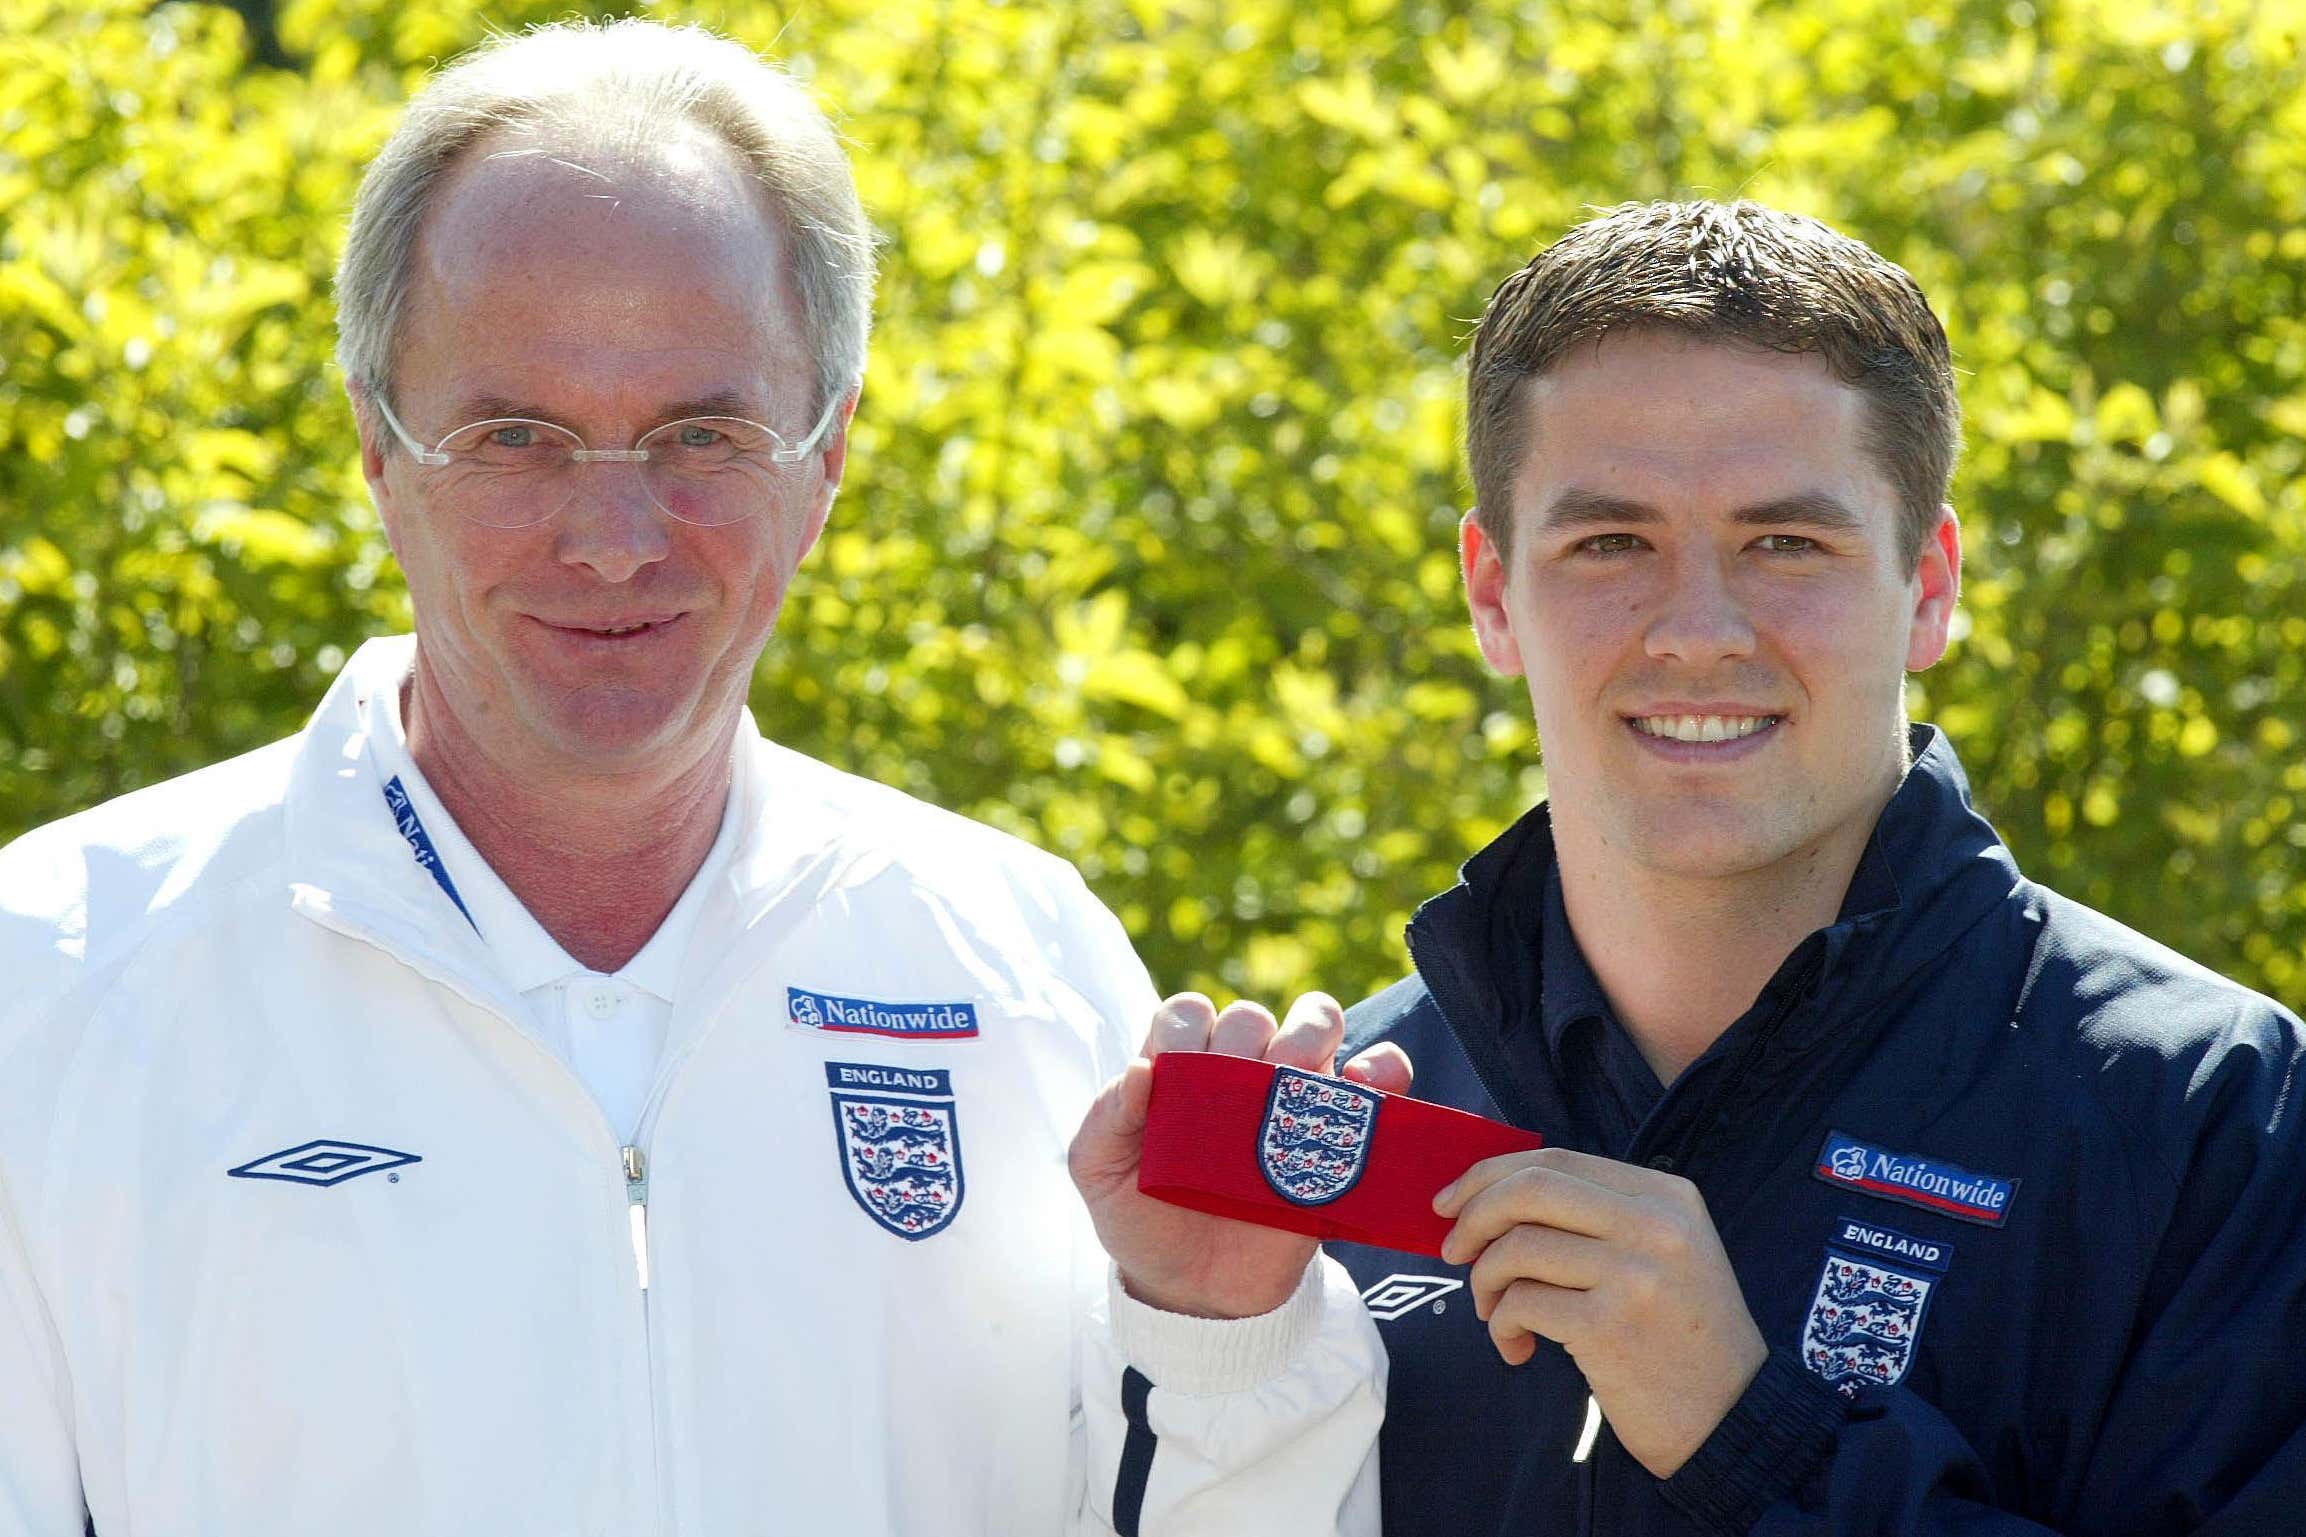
point(476, 408)
point(1579, 507)
point(1807, 509)
point(482, 408)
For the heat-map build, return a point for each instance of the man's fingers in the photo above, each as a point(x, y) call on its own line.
point(1242, 1030)
point(1104, 1151)
point(1182, 1023)
point(1536, 1194)
point(1480, 1177)
point(1528, 1253)
point(1608, 1173)
point(1308, 1038)
point(1384, 1066)
point(1530, 1310)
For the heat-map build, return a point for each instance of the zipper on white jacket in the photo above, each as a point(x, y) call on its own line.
point(637, 1208)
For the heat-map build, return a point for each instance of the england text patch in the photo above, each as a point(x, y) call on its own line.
point(1929, 1183)
point(869, 1016)
point(1866, 1315)
point(900, 1144)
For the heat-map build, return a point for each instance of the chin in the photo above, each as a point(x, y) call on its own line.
point(607, 730)
point(1700, 847)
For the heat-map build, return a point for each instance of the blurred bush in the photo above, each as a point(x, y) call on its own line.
point(1146, 552)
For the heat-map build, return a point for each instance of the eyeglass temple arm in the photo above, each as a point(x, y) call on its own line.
point(416, 450)
point(808, 445)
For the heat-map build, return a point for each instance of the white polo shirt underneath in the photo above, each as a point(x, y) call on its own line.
point(610, 1029)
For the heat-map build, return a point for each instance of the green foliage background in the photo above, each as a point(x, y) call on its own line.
point(1146, 551)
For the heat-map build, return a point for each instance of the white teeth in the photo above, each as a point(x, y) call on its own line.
point(1702, 728)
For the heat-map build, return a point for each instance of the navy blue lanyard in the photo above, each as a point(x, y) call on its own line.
point(420, 843)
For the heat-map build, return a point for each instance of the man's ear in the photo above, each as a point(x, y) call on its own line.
point(364, 422)
point(1938, 575)
point(370, 426)
point(1485, 593)
point(833, 459)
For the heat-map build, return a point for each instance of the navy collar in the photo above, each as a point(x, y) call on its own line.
point(1568, 993)
point(1932, 867)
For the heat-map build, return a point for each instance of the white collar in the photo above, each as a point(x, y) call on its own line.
point(527, 957)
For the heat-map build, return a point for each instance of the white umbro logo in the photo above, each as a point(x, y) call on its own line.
point(1398, 1295)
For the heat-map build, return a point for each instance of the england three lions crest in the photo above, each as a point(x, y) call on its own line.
point(900, 1144)
point(1866, 1316)
point(1314, 1141)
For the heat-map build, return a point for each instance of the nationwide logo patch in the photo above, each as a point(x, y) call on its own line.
point(323, 1163)
point(1314, 1140)
point(1866, 1316)
point(900, 1144)
point(1397, 1296)
point(869, 1016)
point(1929, 1183)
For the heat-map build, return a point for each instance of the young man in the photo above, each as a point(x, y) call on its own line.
point(1885, 1191)
point(526, 1101)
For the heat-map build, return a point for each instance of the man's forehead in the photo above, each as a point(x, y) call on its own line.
point(1662, 418)
point(514, 197)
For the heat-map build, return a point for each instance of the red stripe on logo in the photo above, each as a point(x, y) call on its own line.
point(1903, 1193)
point(900, 1035)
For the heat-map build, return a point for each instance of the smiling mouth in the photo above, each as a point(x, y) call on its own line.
point(1702, 728)
point(616, 631)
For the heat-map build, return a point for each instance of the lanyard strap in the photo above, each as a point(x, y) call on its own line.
point(420, 842)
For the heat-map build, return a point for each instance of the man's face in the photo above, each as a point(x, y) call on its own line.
point(1702, 547)
point(609, 300)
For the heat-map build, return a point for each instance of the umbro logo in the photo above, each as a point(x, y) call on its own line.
point(1399, 1295)
point(323, 1163)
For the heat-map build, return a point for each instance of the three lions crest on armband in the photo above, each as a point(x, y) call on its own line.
point(1314, 1140)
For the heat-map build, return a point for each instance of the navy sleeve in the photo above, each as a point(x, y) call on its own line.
point(2204, 1428)
point(1794, 1457)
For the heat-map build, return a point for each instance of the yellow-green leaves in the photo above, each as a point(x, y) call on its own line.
point(1146, 550)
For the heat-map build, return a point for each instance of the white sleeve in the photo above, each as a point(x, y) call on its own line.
point(1212, 1427)
point(1194, 1427)
point(39, 1475)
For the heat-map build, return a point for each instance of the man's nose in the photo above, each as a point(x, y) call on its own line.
point(610, 523)
point(1700, 618)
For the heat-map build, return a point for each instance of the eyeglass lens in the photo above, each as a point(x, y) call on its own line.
point(705, 470)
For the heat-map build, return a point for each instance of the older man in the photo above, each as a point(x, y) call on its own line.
point(528, 1101)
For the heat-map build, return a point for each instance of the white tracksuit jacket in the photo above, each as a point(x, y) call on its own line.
point(302, 1232)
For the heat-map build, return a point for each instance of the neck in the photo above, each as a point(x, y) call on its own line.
point(599, 860)
point(1707, 946)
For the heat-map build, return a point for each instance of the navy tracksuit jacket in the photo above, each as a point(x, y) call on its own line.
point(2016, 1196)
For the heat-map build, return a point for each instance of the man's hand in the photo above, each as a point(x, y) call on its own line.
point(1622, 1267)
point(1186, 1261)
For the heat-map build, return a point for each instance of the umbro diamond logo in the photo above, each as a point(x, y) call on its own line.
point(1399, 1295)
point(323, 1163)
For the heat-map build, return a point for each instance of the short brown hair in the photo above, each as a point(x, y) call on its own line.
point(1732, 272)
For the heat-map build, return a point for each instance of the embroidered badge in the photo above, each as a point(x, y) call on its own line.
point(1871, 1297)
point(867, 1016)
point(900, 1144)
point(1929, 1183)
point(324, 1163)
point(1314, 1140)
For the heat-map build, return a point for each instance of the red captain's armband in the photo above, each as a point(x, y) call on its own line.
point(1308, 1153)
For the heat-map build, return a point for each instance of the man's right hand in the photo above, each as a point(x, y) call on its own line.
point(1187, 1261)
